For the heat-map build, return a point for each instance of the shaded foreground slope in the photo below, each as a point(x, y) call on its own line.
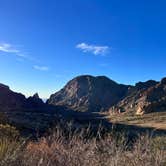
point(74, 148)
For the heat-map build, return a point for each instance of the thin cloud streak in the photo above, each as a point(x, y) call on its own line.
point(41, 68)
point(21, 56)
point(94, 49)
point(8, 48)
point(11, 49)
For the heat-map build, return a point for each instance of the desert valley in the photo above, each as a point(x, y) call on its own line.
point(82, 83)
point(96, 104)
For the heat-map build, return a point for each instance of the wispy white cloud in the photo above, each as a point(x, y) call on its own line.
point(14, 50)
point(5, 47)
point(20, 55)
point(9, 48)
point(41, 68)
point(94, 49)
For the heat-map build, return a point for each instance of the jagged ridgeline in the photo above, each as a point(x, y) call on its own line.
point(94, 94)
point(12, 100)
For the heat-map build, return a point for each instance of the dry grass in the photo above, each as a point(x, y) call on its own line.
point(61, 149)
point(11, 144)
point(79, 148)
point(156, 120)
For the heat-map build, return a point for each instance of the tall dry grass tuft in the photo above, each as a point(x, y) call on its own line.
point(11, 145)
point(81, 148)
point(66, 149)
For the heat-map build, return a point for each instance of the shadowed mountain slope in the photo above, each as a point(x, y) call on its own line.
point(10, 100)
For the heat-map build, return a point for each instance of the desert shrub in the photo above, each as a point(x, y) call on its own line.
point(81, 148)
point(10, 145)
point(77, 150)
point(159, 142)
point(144, 153)
point(8, 131)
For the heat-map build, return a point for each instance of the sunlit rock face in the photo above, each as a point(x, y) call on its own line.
point(131, 101)
point(88, 93)
point(93, 94)
point(145, 97)
point(154, 98)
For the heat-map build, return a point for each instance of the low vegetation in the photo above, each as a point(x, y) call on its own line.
point(155, 120)
point(80, 148)
point(11, 144)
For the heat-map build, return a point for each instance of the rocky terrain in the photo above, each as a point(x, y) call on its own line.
point(144, 98)
point(84, 99)
point(88, 93)
point(10, 100)
point(26, 113)
point(32, 115)
point(98, 94)
point(93, 94)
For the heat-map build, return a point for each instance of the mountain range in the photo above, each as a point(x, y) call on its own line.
point(93, 94)
point(100, 94)
point(83, 100)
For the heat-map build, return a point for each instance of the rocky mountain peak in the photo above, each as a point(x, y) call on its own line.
point(89, 93)
point(35, 101)
point(145, 85)
point(36, 96)
point(93, 94)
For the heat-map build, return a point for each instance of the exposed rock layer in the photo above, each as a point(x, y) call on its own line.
point(94, 94)
point(149, 97)
point(88, 93)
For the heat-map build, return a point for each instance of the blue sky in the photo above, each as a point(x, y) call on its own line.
point(43, 44)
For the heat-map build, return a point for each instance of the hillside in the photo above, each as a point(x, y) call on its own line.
point(89, 93)
point(67, 131)
point(88, 99)
point(100, 94)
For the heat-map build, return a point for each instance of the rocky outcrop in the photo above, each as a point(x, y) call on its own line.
point(10, 100)
point(144, 98)
point(88, 93)
point(93, 94)
point(35, 102)
point(154, 98)
point(131, 100)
